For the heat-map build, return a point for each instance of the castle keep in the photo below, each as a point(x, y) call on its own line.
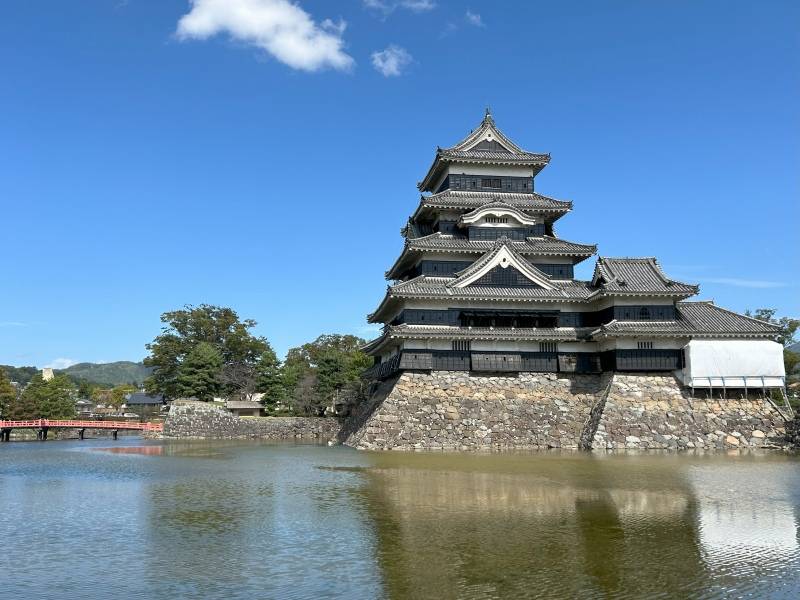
point(489, 340)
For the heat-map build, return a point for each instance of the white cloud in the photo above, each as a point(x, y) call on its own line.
point(279, 27)
point(474, 19)
point(392, 61)
point(418, 5)
point(12, 324)
point(387, 7)
point(745, 283)
point(61, 363)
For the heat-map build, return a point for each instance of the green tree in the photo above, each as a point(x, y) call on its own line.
point(118, 394)
point(8, 394)
point(199, 374)
point(788, 330)
point(85, 388)
point(238, 349)
point(53, 399)
point(23, 408)
point(22, 375)
point(270, 380)
point(787, 325)
point(324, 371)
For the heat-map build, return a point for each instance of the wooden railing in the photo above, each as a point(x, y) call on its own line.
point(40, 423)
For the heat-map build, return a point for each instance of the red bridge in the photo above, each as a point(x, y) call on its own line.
point(43, 425)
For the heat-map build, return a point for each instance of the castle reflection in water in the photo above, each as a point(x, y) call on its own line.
point(572, 526)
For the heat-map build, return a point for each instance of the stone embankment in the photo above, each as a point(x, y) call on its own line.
point(452, 410)
point(655, 411)
point(459, 411)
point(197, 420)
point(793, 431)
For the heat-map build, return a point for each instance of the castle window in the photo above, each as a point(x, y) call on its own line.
point(644, 313)
point(644, 345)
point(461, 345)
point(497, 219)
point(548, 347)
point(491, 183)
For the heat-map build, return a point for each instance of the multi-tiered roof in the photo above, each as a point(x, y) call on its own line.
point(485, 145)
point(482, 240)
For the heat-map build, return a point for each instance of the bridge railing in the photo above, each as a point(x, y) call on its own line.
point(82, 424)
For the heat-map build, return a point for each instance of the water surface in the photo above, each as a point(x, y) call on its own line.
point(139, 519)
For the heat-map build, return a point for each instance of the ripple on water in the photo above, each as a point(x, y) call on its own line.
point(241, 520)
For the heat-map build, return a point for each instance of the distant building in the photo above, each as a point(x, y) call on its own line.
point(47, 374)
point(243, 408)
point(142, 399)
point(145, 405)
point(84, 407)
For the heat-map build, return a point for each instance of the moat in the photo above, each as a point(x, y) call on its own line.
point(140, 519)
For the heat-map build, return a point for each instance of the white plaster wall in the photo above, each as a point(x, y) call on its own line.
point(577, 346)
point(635, 301)
point(427, 345)
point(555, 260)
point(478, 304)
point(496, 170)
point(632, 343)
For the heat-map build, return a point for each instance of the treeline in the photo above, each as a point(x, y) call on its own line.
point(40, 399)
point(208, 352)
point(22, 375)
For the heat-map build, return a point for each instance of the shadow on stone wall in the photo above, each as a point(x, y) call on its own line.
point(450, 410)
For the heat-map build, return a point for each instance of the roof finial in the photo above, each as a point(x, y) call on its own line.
point(488, 112)
point(487, 118)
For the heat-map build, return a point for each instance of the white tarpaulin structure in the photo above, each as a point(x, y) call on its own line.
point(734, 364)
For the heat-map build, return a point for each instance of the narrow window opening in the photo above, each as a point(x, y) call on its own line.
point(548, 346)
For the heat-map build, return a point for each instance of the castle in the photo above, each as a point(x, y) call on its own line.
point(484, 301)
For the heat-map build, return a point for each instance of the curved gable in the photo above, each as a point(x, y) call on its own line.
point(498, 209)
point(502, 257)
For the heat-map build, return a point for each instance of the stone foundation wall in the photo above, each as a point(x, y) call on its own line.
point(793, 431)
point(460, 411)
point(200, 421)
point(452, 410)
point(655, 411)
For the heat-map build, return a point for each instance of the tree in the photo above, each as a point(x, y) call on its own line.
point(788, 326)
point(270, 381)
point(22, 375)
point(788, 329)
point(199, 374)
point(119, 393)
point(323, 371)
point(85, 388)
point(23, 408)
point(101, 396)
point(53, 399)
point(8, 394)
point(238, 350)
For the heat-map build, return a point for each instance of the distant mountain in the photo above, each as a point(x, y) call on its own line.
point(794, 348)
point(114, 373)
point(22, 375)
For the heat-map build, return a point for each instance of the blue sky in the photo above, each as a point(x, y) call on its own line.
point(264, 156)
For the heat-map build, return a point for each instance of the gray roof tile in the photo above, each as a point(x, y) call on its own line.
point(543, 246)
point(458, 200)
point(477, 333)
point(466, 151)
point(702, 319)
point(637, 276)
